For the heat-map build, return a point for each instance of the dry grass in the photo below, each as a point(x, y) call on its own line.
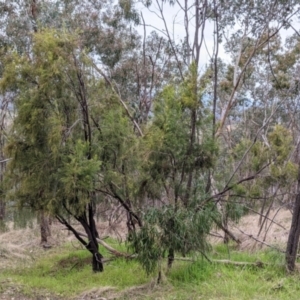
point(22, 248)
point(24, 244)
point(272, 231)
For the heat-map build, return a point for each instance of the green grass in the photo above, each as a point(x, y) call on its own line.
point(68, 273)
point(219, 281)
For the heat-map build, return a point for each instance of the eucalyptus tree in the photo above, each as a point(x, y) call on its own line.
point(178, 219)
point(251, 31)
point(285, 82)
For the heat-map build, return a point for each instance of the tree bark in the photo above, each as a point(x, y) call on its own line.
point(97, 263)
point(170, 258)
point(44, 227)
point(2, 210)
point(90, 228)
point(294, 234)
point(92, 245)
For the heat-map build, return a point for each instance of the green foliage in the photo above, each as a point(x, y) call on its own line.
point(169, 136)
point(235, 210)
point(78, 171)
point(56, 157)
point(183, 230)
point(273, 157)
point(281, 143)
point(178, 145)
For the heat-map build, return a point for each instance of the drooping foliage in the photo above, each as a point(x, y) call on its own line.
point(181, 219)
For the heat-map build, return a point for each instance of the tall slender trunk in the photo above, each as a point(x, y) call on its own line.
point(294, 234)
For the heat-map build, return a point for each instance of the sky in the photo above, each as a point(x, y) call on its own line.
point(175, 22)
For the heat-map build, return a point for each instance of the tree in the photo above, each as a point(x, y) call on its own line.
point(175, 176)
point(53, 162)
point(255, 49)
point(103, 32)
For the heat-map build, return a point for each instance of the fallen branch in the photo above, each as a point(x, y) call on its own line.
point(258, 264)
point(224, 261)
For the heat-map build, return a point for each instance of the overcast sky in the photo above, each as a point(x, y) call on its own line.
point(175, 21)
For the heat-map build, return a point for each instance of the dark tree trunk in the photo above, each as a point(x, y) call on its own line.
point(294, 234)
point(91, 231)
point(170, 258)
point(225, 224)
point(97, 257)
point(90, 228)
point(48, 225)
point(93, 247)
point(2, 210)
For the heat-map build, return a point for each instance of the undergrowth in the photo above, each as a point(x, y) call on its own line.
point(66, 272)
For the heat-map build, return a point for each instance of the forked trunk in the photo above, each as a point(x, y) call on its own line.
point(91, 232)
point(97, 257)
point(90, 228)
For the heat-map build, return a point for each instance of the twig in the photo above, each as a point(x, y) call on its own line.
point(117, 94)
point(259, 241)
point(227, 231)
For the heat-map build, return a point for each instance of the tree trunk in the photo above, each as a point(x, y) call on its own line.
point(44, 227)
point(225, 224)
point(294, 234)
point(170, 258)
point(93, 247)
point(91, 233)
point(49, 220)
point(90, 228)
point(2, 210)
point(97, 257)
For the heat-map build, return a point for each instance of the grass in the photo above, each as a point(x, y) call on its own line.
point(68, 273)
point(220, 281)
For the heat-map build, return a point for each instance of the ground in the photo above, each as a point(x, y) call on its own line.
point(21, 247)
